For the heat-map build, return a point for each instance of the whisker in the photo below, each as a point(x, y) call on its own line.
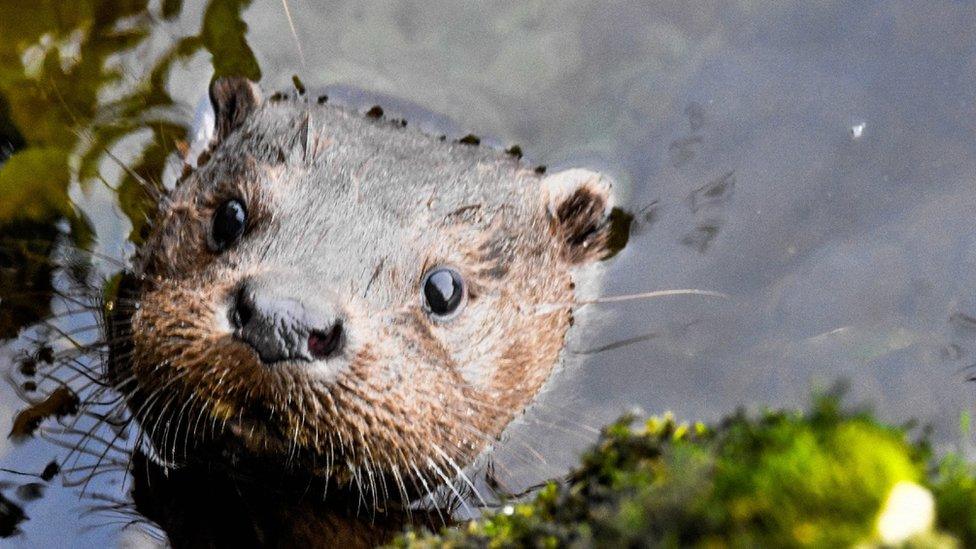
point(460, 473)
point(546, 308)
point(294, 34)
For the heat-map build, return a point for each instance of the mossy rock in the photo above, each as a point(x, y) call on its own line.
point(823, 478)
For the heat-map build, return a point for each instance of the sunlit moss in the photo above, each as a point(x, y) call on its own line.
point(822, 478)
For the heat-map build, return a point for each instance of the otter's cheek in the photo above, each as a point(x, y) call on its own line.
point(476, 363)
point(221, 318)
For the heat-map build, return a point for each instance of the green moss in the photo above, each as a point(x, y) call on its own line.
point(822, 478)
point(954, 487)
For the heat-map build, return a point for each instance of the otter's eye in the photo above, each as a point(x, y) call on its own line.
point(443, 290)
point(228, 224)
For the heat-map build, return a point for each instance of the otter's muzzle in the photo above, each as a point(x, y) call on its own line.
point(282, 328)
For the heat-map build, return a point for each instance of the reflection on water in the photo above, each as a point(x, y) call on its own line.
point(814, 163)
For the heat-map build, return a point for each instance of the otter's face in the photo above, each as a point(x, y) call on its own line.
point(356, 297)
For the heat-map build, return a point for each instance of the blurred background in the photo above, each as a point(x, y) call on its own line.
point(814, 162)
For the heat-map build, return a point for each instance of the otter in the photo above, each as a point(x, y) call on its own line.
point(333, 314)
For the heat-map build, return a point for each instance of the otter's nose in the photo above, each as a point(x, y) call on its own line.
point(282, 328)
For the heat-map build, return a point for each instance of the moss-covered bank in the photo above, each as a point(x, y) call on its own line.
point(824, 478)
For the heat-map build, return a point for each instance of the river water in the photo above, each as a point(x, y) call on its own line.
point(816, 163)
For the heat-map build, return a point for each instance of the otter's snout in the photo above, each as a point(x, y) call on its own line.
point(283, 328)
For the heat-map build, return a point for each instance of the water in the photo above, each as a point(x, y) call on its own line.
point(815, 163)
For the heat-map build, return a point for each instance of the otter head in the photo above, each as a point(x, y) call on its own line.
point(351, 297)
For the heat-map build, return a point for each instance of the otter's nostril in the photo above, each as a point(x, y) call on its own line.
point(241, 310)
point(322, 344)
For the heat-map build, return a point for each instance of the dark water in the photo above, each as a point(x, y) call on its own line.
point(817, 164)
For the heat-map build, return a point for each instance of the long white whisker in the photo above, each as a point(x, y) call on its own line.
point(546, 308)
point(460, 473)
point(294, 33)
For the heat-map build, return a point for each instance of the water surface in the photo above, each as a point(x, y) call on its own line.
point(814, 163)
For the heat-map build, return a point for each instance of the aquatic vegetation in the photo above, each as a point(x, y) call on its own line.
point(821, 478)
point(72, 115)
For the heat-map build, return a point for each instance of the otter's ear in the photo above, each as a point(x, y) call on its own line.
point(233, 99)
point(578, 204)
